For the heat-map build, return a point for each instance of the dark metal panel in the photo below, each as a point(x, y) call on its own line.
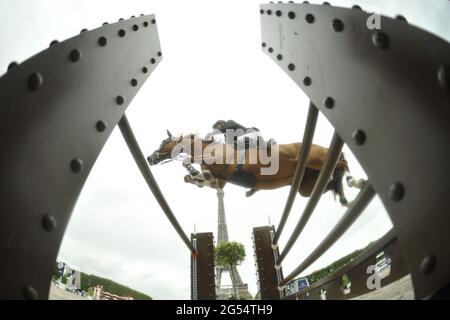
point(265, 256)
point(333, 155)
point(308, 136)
point(58, 110)
point(358, 275)
point(387, 94)
point(359, 205)
point(356, 270)
point(202, 267)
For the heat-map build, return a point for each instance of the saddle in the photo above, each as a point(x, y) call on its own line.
point(243, 178)
point(252, 144)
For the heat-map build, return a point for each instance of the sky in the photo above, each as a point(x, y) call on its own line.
point(213, 69)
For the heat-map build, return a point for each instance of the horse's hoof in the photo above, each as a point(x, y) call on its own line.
point(250, 193)
point(349, 179)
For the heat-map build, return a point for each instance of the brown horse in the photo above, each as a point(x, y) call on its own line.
point(222, 163)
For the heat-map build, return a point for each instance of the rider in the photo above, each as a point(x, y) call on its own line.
point(243, 137)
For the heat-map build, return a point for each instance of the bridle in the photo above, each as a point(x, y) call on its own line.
point(159, 155)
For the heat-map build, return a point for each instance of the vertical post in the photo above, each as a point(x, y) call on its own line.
point(266, 257)
point(222, 234)
point(202, 267)
point(303, 154)
point(222, 229)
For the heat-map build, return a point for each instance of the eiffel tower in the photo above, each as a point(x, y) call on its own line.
point(222, 236)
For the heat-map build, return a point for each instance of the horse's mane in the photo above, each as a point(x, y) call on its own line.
point(194, 134)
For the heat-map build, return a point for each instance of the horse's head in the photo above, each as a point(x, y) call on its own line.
point(172, 147)
point(165, 150)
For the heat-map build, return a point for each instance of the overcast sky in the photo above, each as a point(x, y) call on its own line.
point(213, 69)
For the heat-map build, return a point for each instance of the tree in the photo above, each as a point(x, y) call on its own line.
point(229, 255)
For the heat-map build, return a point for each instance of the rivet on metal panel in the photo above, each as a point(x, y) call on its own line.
point(49, 223)
point(105, 23)
point(329, 103)
point(122, 33)
point(444, 77)
point(53, 43)
point(401, 18)
point(159, 54)
point(35, 81)
point(270, 50)
point(269, 12)
point(397, 191)
point(310, 18)
point(307, 81)
point(120, 100)
point(103, 41)
point(145, 24)
point(428, 264)
point(278, 13)
point(359, 137)
point(279, 57)
point(77, 165)
point(75, 55)
point(291, 67)
point(134, 82)
point(380, 39)
point(101, 126)
point(338, 25)
point(153, 21)
point(261, 11)
point(263, 44)
point(144, 70)
point(12, 65)
point(135, 27)
point(291, 15)
point(83, 30)
point(30, 293)
point(152, 61)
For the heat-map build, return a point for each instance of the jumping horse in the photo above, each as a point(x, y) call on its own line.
point(246, 173)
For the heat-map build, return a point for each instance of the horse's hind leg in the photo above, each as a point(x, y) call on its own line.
point(356, 183)
point(338, 176)
point(309, 181)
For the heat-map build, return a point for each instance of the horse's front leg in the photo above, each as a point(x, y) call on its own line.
point(190, 168)
point(195, 181)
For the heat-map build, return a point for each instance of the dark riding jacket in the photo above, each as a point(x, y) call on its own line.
point(233, 125)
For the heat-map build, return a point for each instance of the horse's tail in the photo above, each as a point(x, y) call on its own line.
point(345, 163)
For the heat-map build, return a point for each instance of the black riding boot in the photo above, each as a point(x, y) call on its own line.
point(251, 192)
